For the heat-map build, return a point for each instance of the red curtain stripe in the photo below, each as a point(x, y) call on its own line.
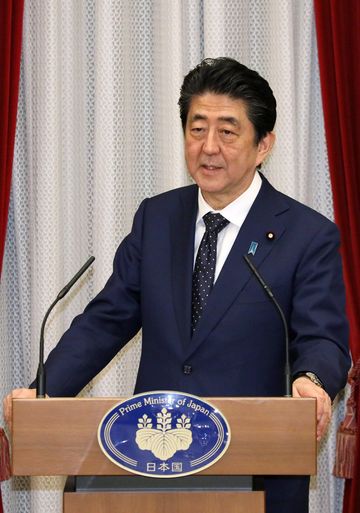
point(11, 16)
point(338, 37)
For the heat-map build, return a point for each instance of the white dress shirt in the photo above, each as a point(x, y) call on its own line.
point(235, 213)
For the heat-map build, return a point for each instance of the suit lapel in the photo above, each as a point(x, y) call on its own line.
point(182, 247)
point(262, 218)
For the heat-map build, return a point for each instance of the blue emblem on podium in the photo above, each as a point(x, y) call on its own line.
point(164, 434)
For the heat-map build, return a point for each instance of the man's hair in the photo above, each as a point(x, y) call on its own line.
point(227, 76)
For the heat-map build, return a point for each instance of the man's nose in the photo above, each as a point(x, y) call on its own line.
point(211, 143)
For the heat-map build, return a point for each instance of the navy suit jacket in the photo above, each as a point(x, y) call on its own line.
point(238, 347)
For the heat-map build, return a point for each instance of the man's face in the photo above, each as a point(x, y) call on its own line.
point(220, 149)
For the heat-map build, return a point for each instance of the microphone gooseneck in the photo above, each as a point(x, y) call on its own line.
point(41, 377)
point(273, 299)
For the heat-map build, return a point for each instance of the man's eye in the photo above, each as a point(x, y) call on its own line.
point(227, 132)
point(197, 131)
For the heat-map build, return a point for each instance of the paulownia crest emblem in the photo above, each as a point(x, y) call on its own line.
point(163, 441)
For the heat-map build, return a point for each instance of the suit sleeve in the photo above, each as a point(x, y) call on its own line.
point(109, 321)
point(319, 330)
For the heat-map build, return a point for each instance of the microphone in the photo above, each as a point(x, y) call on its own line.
point(269, 292)
point(40, 377)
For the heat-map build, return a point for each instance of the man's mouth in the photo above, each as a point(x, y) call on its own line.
point(211, 167)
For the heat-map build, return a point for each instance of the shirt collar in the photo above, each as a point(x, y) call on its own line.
point(238, 209)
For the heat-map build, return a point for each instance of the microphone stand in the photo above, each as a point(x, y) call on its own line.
point(41, 376)
point(267, 289)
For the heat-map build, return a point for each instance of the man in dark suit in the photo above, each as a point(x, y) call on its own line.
point(208, 327)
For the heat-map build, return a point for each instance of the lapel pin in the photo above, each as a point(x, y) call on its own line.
point(252, 248)
point(270, 235)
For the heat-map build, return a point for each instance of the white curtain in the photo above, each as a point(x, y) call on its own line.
point(98, 130)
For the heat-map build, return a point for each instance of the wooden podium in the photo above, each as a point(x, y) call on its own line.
point(269, 436)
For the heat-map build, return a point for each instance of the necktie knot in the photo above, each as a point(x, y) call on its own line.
point(214, 222)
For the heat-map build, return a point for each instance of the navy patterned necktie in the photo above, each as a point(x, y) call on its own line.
point(204, 270)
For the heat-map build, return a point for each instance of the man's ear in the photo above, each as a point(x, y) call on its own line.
point(265, 146)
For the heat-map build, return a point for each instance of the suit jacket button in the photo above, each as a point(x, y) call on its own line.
point(187, 369)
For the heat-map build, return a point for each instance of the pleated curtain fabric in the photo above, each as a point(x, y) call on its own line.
point(11, 16)
point(339, 52)
point(98, 130)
